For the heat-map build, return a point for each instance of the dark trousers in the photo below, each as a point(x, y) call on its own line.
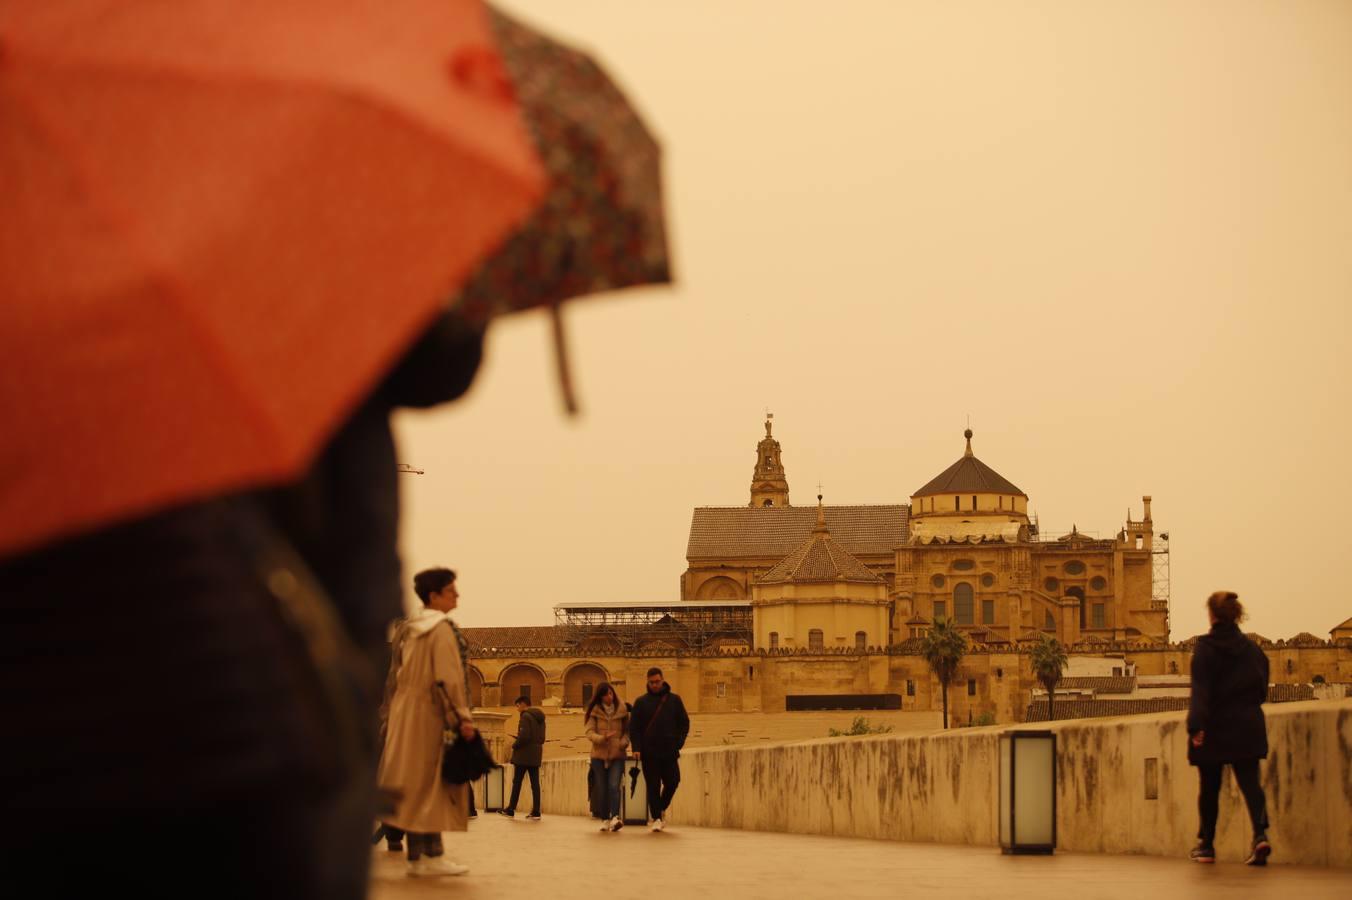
point(662, 777)
point(420, 845)
point(472, 811)
point(519, 774)
point(1208, 800)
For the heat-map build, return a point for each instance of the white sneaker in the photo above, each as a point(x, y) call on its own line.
point(605, 826)
point(658, 825)
point(435, 866)
point(616, 823)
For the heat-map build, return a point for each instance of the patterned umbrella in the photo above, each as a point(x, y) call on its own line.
point(601, 225)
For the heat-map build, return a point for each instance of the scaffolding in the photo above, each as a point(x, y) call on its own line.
point(628, 627)
point(1159, 577)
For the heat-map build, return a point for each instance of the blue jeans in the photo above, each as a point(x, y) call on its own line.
point(613, 775)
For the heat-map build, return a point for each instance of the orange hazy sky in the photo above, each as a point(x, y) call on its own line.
point(1118, 235)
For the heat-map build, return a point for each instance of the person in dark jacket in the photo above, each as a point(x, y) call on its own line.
point(1226, 725)
point(232, 645)
point(527, 753)
point(657, 732)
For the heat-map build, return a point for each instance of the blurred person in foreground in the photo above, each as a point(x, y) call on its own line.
point(201, 683)
point(1226, 724)
point(431, 696)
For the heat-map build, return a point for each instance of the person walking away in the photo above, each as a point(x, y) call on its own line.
point(607, 727)
point(1226, 724)
point(430, 696)
point(657, 731)
point(527, 754)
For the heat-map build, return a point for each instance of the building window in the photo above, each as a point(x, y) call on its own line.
point(963, 565)
point(1051, 622)
point(988, 580)
point(860, 640)
point(987, 612)
point(974, 501)
point(1098, 615)
point(750, 673)
point(774, 640)
point(971, 687)
point(937, 581)
point(957, 503)
point(1098, 582)
point(1117, 671)
point(721, 689)
point(768, 503)
point(962, 604)
point(1002, 502)
point(910, 688)
point(940, 611)
point(1074, 567)
point(1052, 585)
point(815, 640)
point(1140, 542)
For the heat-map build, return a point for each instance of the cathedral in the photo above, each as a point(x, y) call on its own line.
point(786, 607)
point(964, 549)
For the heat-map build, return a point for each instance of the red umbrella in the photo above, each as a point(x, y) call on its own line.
point(223, 220)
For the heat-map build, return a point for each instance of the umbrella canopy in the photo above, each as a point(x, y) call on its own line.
point(223, 220)
point(601, 226)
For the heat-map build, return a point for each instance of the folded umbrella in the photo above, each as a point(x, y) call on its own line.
point(223, 220)
point(633, 780)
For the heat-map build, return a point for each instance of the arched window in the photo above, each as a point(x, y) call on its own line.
point(768, 502)
point(860, 640)
point(962, 604)
point(774, 640)
point(815, 640)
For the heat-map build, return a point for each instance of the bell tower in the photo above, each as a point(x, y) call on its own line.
point(768, 484)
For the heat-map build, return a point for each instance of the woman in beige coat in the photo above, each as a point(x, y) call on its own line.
point(607, 725)
point(430, 696)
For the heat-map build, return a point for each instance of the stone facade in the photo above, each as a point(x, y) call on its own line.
point(840, 595)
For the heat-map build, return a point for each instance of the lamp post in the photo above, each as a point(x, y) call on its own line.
point(1027, 792)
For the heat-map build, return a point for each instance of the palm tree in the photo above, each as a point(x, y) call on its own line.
point(1049, 661)
point(943, 647)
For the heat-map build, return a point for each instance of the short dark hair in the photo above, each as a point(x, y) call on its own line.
point(654, 671)
point(522, 699)
point(430, 581)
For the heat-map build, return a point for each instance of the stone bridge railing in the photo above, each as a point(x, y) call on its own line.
point(943, 787)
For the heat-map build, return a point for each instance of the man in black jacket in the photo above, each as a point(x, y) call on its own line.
point(527, 753)
point(657, 732)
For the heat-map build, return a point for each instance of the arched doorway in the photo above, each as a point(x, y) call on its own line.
point(1078, 594)
point(521, 679)
point(476, 688)
point(580, 682)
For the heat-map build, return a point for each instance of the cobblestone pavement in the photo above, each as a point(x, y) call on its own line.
point(567, 858)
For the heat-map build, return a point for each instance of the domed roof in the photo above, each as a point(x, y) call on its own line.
point(820, 559)
point(969, 475)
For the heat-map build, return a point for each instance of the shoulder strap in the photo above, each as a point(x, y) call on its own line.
point(653, 721)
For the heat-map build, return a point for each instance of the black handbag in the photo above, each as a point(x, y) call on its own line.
point(465, 761)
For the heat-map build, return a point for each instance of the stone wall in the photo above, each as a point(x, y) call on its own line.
point(943, 787)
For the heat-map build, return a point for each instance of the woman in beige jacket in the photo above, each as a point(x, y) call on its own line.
point(430, 695)
point(607, 726)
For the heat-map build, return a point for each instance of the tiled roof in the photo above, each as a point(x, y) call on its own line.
point(820, 558)
point(1093, 709)
point(776, 531)
point(1103, 684)
point(528, 637)
point(966, 475)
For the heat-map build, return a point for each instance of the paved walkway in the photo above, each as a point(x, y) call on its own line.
point(566, 858)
